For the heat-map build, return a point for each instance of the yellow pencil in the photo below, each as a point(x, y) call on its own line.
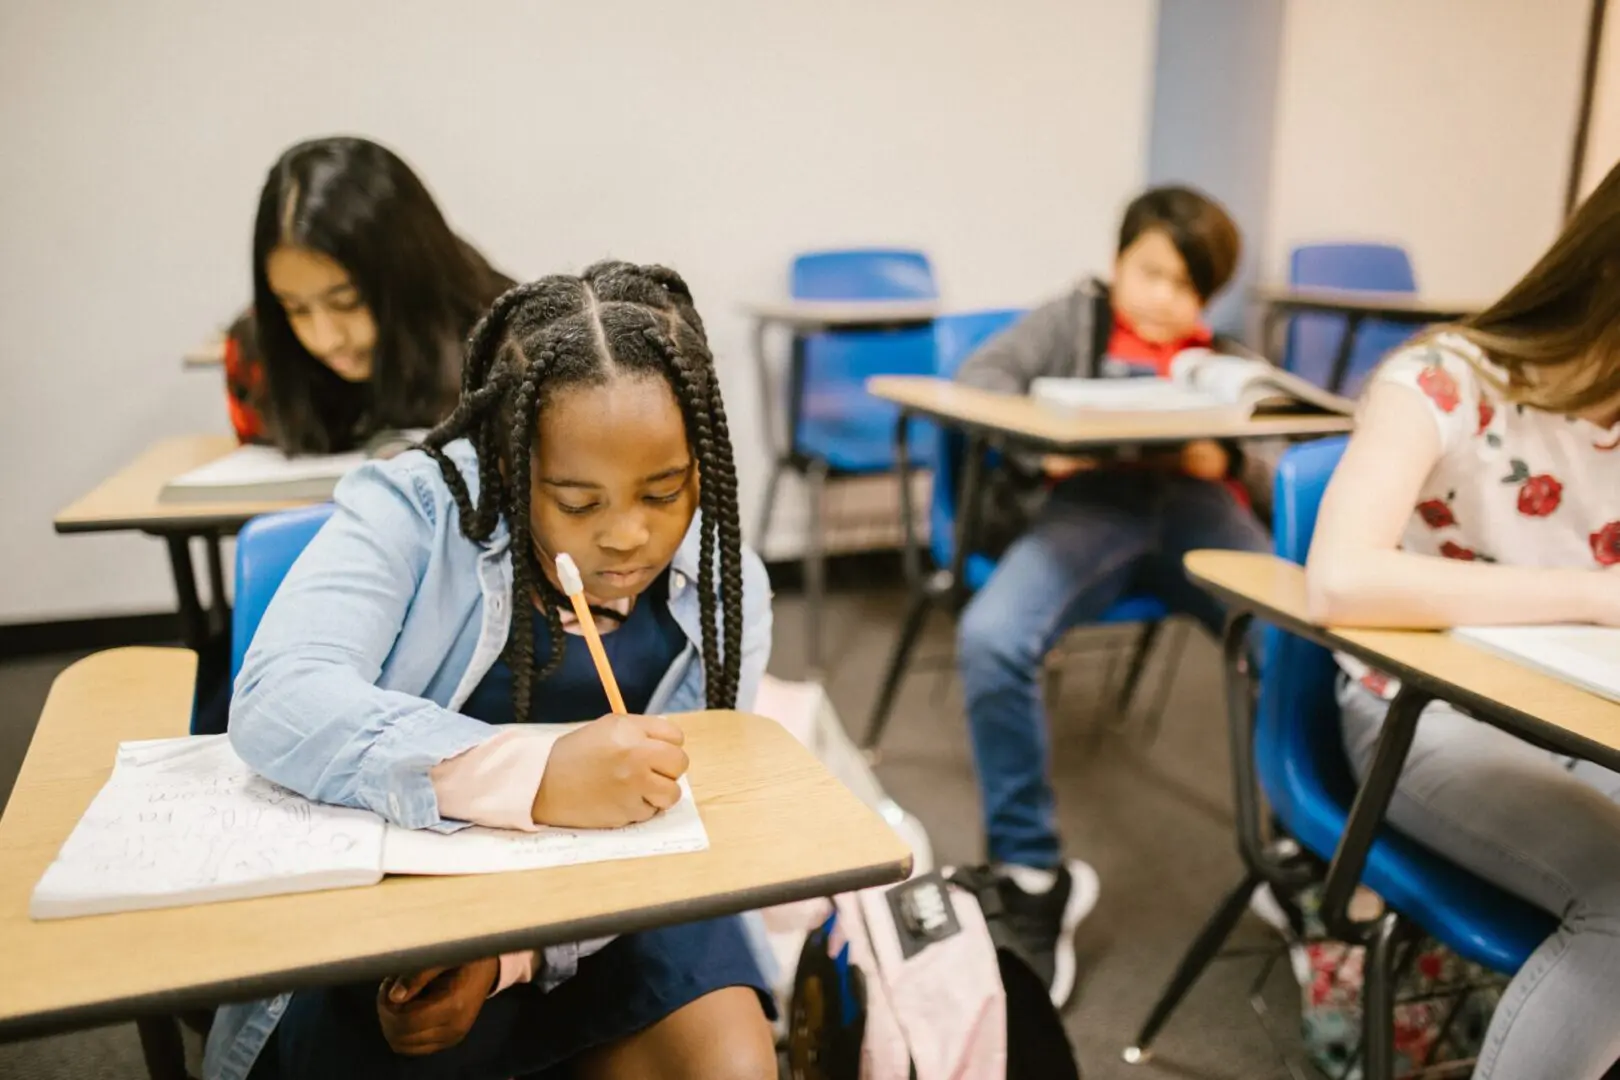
point(574, 587)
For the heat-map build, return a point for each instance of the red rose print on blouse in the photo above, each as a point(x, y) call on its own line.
point(1606, 544)
point(1540, 496)
point(1487, 413)
point(1436, 514)
point(1437, 382)
point(1457, 551)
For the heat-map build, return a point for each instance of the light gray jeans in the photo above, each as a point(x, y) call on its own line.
point(1540, 828)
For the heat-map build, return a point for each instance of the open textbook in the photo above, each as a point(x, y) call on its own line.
point(1587, 656)
point(185, 821)
point(1200, 381)
point(265, 473)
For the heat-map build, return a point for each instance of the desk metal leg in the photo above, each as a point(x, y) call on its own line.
point(1367, 816)
point(916, 618)
point(967, 513)
point(162, 1048)
point(193, 620)
point(815, 564)
point(910, 559)
point(219, 611)
point(1378, 997)
point(1347, 346)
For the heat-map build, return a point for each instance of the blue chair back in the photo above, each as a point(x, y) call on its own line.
point(1313, 340)
point(955, 339)
point(864, 274)
point(837, 420)
point(1301, 764)
point(266, 548)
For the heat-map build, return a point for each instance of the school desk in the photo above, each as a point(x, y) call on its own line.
point(1357, 306)
point(1432, 666)
point(780, 829)
point(1538, 708)
point(205, 354)
point(992, 420)
point(128, 501)
point(809, 317)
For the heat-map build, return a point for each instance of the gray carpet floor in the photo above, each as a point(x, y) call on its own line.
point(1155, 820)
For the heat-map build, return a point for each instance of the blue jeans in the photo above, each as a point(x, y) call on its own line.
point(1101, 536)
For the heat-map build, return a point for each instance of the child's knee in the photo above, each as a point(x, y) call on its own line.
point(985, 636)
point(745, 1050)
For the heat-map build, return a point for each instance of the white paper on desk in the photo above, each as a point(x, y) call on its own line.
point(185, 821)
point(478, 850)
point(1588, 656)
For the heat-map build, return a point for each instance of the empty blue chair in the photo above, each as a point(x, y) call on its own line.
point(1300, 766)
point(266, 548)
point(955, 338)
point(1314, 339)
point(834, 426)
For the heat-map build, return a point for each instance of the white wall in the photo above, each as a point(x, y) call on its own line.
point(1603, 137)
point(719, 137)
point(1445, 125)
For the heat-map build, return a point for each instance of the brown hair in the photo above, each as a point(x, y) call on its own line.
point(1565, 311)
point(1203, 233)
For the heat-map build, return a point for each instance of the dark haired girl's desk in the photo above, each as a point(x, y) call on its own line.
point(128, 500)
point(780, 829)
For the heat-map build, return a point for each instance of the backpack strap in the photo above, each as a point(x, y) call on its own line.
point(1097, 326)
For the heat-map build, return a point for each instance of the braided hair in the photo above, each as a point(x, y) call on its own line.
point(562, 331)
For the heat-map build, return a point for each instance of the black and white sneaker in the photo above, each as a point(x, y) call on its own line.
point(1043, 923)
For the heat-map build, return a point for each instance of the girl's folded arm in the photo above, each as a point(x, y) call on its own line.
point(307, 711)
point(1358, 576)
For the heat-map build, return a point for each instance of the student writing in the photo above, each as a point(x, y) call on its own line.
point(418, 657)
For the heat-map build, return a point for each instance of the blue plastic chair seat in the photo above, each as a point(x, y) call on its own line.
point(1307, 780)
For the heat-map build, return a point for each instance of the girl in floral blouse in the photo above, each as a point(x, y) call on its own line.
point(1483, 486)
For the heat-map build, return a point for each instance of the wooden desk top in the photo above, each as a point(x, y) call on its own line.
point(1519, 699)
point(128, 499)
point(205, 354)
point(1026, 420)
point(1393, 306)
point(824, 314)
point(780, 829)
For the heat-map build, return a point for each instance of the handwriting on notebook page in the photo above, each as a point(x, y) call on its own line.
point(187, 823)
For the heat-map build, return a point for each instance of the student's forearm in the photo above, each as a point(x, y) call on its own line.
point(1400, 590)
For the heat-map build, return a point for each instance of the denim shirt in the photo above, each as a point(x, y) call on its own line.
point(381, 630)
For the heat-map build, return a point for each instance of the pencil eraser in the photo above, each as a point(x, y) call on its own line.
point(568, 576)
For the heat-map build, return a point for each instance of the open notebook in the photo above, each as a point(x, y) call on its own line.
point(185, 821)
point(1588, 656)
point(1200, 381)
point(264, 472)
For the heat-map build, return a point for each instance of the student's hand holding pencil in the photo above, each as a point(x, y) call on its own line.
point(612, 772)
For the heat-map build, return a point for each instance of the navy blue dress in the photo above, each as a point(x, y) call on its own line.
point(634, 982)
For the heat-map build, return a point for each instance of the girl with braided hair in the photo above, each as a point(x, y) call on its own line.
point(418, 661)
